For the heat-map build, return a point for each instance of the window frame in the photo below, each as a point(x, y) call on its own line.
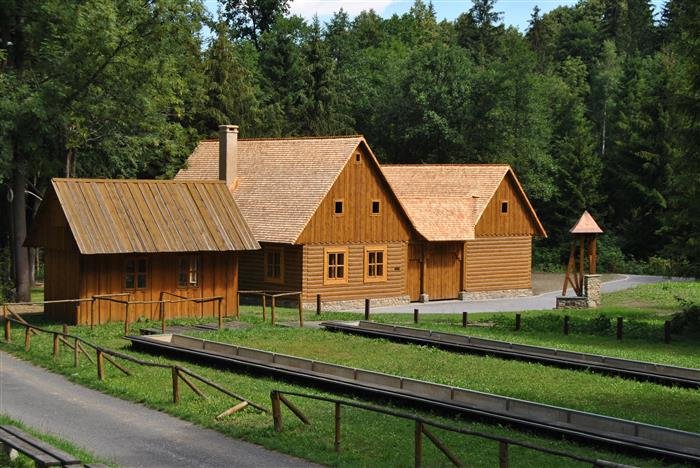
point(136, 274)
point(358, 158)
point(266, 256)
point(327, 251)
point(197, 271)
point(379, 208)
point(369, 249)
point(342, 207)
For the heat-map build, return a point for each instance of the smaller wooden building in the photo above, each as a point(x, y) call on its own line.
point(146, 238)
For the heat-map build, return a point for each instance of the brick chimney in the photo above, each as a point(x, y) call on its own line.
point(228, 153)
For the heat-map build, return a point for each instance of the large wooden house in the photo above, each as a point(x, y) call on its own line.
point(322, 210)
point(141, 239)
point(332, 222)
point(473, 228)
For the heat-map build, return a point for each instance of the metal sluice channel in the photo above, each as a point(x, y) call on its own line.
point(639, 437)
point(640, 370)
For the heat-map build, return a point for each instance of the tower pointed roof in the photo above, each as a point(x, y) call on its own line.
point(586, 225)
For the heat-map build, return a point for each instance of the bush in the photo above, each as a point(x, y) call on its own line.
point(687, 321)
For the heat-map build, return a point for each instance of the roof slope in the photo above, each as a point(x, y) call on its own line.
point(445, 201)
point(586, 225)
point(282, 182)
point(145, 216)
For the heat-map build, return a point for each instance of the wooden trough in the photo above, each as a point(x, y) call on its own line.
point(646, 438)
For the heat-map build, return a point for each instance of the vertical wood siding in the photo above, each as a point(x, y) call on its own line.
point(357, 185)
point(517, 222)
point(252, 269)
point(355, 288)
point(496, 263)
point(104, 274)
point(62, 281)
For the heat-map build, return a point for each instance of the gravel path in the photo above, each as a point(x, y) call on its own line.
point(125, 433)
point(543, 301)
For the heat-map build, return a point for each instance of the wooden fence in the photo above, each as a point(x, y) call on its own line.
point(273, 296)
point(102, 354)
point(422, 427)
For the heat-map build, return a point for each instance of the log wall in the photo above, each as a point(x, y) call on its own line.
point(498, 263)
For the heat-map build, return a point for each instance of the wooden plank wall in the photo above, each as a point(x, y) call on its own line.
point(443, 270)
point(497, 263)
point(252, 269)
point(517, 222)
point(355, 288)
point(357, 185)
point(61, 281)
point(104, 274)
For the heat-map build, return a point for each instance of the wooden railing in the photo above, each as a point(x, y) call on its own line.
point(422, 427)
point(103, 354)
point(274, 295)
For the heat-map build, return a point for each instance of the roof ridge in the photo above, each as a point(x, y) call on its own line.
point(134, 181)
point(447, 165)
point(320, 137)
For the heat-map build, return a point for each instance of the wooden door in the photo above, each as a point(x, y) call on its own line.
point(413, 273)
point(442, 273)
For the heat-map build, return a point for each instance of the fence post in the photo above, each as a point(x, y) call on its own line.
point(518, 322)
point(176, 385)
point(92, 313)
point(27, 338)
point(566, 324)
point(503, 455)
point(238, 305)
point(126, 320)
point(367, 309)
point(619, 328)
point(415, 315)
point(667, 331)
point(276, 410)
point(8, 325)
point(301, 312)
point(337, 427)
point(465, 319)
point(219, 312)
point(272, 310)
point(56, 345)
point(65, 330)
point(264, 299)
point(76, 353)
point(418, 444)
point(318, 304)
point(100, 365)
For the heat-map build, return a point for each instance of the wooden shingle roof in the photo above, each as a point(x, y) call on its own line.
point(586, 225)
point(146, 216)
point(281, 182)
point(445, 201)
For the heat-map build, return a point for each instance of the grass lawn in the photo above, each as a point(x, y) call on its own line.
point(371, 439)
point(24, 461)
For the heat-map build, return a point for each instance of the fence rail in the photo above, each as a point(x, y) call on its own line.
point(422, 426)
point(103, 354)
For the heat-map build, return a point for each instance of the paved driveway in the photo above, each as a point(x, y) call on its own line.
point(515, 304)
point(126, 433)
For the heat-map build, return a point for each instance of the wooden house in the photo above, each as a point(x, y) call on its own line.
point(322, 210)
point(140, 238)
point(473, 228)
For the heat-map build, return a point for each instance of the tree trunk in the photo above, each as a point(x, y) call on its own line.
point(19, 215)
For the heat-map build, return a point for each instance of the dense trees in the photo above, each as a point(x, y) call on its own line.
point(595, 105)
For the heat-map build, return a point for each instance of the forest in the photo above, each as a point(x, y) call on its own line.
point(595, 105)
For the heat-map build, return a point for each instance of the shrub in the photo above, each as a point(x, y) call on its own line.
point(687, 321)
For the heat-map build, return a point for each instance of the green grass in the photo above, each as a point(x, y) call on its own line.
point(371, 439)
point(24, 461)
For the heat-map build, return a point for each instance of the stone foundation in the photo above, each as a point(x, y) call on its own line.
point(502, 293)
point(354, 304)
point(591, 289)
point(572, 302)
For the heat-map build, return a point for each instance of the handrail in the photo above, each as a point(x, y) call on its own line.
point(103, 352)
point(274, 295)
point(277, 397)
